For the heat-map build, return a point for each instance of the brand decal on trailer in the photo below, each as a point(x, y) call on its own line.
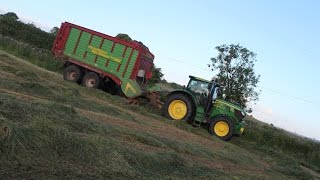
point(103, 53)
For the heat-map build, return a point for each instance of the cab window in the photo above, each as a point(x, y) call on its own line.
point(198, 87)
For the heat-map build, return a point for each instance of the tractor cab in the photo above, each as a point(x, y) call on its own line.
point(198, 86)
point(204, 91)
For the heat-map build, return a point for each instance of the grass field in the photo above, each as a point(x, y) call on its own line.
point(50, 128)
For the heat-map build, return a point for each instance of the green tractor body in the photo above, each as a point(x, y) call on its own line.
point(199, 104)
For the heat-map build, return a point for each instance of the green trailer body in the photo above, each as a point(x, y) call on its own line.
point(109, 56)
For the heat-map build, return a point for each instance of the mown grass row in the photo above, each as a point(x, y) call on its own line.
point(48, 140)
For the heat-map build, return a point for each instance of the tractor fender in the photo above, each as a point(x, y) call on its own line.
point(187, 94)
point(234, 121)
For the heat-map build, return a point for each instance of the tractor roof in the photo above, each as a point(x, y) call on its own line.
point(199, 79)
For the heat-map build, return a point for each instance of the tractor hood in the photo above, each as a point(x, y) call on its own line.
point(231, 105)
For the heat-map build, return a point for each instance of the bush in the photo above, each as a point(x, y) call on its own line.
point(27, 33)
point(37, 56)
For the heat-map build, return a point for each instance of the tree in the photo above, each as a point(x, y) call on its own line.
point(54, 31)
point(156, 74)
point(11, 15)
point(235, 64)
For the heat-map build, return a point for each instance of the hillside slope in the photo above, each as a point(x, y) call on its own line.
point(50, 128)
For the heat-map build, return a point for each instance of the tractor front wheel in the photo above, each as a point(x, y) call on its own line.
point(177, 107)
point(222, 127)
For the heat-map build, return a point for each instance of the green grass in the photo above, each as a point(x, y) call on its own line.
point(274, 141)
point(50, 134)
point(54, 129)
point(40, 57)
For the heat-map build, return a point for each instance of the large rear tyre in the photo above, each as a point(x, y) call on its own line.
point(178, 107)
point(222, 127)
point(72, 73)
point(91, 80)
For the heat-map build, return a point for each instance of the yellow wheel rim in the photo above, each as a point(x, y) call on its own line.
point(177, 109)
point(241, 130)
point(221, 129)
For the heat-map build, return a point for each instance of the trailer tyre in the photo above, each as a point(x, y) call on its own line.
point(177, 107)
point(72, 73)
point(91, 80)
point(222, 127)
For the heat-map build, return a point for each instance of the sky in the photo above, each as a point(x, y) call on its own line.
point(183, 35)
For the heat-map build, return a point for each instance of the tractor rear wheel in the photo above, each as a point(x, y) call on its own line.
point(178, 107)
point(72, 73)
point(91, 80)
point(222, 127)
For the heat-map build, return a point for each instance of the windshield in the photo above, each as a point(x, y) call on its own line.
point(198, 86)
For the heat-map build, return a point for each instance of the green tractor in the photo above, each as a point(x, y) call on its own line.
point(199, 103)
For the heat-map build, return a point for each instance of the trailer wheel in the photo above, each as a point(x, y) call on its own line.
point(91, 80)
point(72, 73)
point(222, 127)
point(177, 107)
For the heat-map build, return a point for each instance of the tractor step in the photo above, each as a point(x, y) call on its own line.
point(196, 123)
point(199, 117)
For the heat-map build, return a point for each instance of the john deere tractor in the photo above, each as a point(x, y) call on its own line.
point(198, 103)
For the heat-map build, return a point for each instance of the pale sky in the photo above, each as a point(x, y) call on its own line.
point(183, 35)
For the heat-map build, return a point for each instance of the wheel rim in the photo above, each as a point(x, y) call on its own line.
point(90, 82)
point(177, 109)
point(72, 76)
point(241, 130)
point(221, 129)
